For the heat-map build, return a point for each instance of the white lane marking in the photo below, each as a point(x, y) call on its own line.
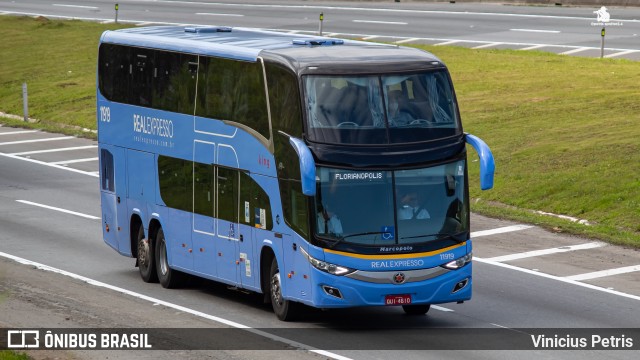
point(107, 22)
point(448, 42)
point(220, 14)
point(574, 51)
point(36, 140)
point(370, 37)
point(407, 40)
point(53, 16)
point(55, 150)
point(534, 47)
point(51, 165)
point(385, 10)
point(74, 161)
point(528, 254)
point(487, 45)
point(330, 354)
point(603, 273)
point(184, 309)
point(147, 23)
point(18, 132)
point(436, 307)
point(380, 22)
point(621, 53)
point(59, 209)
point(536, 31)
point(500, 230)
point(558, 278)
point(76, 6)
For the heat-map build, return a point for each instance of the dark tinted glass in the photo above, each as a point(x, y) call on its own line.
point(233, 90)
point(284, 99)
point(106, 162)
point(203, 189)
point(255, 209)
point(228, 194)
point(175, 177)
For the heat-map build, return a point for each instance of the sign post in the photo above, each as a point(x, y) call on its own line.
point(321, 20)
point(25, 102)
point(116, 13)
point(602, 43)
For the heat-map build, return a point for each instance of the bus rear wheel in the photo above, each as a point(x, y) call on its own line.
point(145, 260)
point(416, 309)
point(285, 310)
point(169, 278)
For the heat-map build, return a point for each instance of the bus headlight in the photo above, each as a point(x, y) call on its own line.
point(325, 266)
point(459, 262)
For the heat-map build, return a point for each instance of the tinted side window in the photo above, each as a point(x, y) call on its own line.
point(233, 90)
point(174, 82)
point(106, 163)
point(175, 177)
point(113, 72)
point(255, 208)
point(284, 99)
point(228, 194)
point(203, 189)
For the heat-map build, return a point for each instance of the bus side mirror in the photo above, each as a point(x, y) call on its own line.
point(307, 166)
point(487, 165)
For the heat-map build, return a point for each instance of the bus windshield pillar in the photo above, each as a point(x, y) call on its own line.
point(487, 164)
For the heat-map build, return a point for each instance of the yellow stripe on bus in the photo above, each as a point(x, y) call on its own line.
point(395, 256)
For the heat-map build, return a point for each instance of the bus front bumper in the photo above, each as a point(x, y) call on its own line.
point(444, 286)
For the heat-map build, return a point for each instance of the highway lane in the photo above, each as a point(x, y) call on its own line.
point(503, 297)
point(556, 29)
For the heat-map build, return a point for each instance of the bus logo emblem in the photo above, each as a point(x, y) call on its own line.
point(399, 278)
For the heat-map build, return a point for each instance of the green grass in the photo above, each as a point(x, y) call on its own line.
point(57, 60)
point(564, 130)
point(12, 355)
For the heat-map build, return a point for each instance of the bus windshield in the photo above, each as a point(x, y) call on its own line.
point(380, 109)
point(378, 208)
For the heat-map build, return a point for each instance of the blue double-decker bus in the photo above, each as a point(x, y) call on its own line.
point(316, 171)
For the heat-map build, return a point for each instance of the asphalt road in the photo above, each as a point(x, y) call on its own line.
point(524, 277)
point(567, 30)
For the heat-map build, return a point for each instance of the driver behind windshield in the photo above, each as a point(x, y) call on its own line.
point(328, 222)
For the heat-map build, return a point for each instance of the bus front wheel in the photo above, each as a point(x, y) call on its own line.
point(169, 278)
point(285, 310)
point(416, 309)
point(146, 263)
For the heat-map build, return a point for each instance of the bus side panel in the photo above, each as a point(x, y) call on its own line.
point(141, 183)
point(296, 287)
point(112, 169)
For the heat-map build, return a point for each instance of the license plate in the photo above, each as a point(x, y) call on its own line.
point(397, 299)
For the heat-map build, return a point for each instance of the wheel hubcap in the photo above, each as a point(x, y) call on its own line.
point(163, 258)
point(276, 293)
point(143, 252)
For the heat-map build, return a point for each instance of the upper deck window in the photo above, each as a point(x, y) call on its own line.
point(380, 109)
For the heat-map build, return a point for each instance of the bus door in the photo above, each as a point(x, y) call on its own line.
point(115, 227)
point(204, 235)
point(227, 215)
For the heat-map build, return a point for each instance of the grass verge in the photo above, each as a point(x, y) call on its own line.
point(564, 130)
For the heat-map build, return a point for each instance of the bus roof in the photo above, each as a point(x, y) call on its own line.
point(295, 50)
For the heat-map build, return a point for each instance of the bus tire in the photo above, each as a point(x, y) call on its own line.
point(416, 309)
point(145, 258)
point(169, 278)
point(285, 310)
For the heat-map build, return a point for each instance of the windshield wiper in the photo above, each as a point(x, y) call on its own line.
point(455, 236)
point(341, 239)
